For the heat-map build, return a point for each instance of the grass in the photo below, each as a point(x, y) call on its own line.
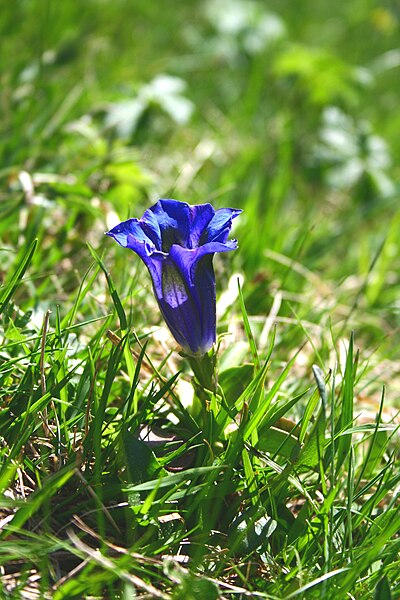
point(115, 481)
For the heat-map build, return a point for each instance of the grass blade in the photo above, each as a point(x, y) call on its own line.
point(8, 290)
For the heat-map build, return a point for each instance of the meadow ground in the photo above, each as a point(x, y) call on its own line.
point(121, 475)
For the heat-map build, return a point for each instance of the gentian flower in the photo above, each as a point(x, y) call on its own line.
point(177, 243)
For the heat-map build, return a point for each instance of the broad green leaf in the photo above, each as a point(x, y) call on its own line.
point(382, 590)
point(140, 462)
point(250, 531)
point(234, 381)
point(278, 441)
point(192, 587)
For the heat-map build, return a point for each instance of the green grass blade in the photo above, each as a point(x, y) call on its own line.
point(8, 290)
point(113, 291)
point(347, 400)
point(249, 333)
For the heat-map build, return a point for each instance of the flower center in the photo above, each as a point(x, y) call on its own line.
point(169, 237)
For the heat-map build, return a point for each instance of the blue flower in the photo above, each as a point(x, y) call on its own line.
point(177, 243)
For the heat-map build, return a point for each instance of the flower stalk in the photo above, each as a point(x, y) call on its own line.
point(204, 368)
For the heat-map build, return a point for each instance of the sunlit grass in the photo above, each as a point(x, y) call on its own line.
point(114, 478)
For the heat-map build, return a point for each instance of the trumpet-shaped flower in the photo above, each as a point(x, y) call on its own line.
point(177, 243)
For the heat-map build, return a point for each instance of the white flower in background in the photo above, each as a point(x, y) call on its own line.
point(243, 22)
point(164, 91)
point(351, 150)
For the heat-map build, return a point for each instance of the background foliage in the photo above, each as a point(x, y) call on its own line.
point(291, 112)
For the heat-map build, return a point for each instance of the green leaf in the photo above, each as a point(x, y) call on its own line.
point(192, 587)
point(250, 531)
point(261, 412)
point(42, 495)
point(8, 290)
point(382, 590)
point(377, 446)
point(347, 399)
point(141, 463)
point(175, 479)
point(278, 441)
point(249, 333)
point(113, 290)
point(313, 448)
point(234, 381)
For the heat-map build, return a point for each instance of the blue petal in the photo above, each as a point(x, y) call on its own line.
point(200, 217)
point(186, 259)
point(179, 309)
point(220, 225)
point(190, 310)
point(195, 320)
point(151, 227)
point(173, 219)
point(129, 230)
point(130, 234)
point(205, 297)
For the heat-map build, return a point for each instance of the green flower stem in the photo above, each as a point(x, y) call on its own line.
point(204, 368)
point(205, 372)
